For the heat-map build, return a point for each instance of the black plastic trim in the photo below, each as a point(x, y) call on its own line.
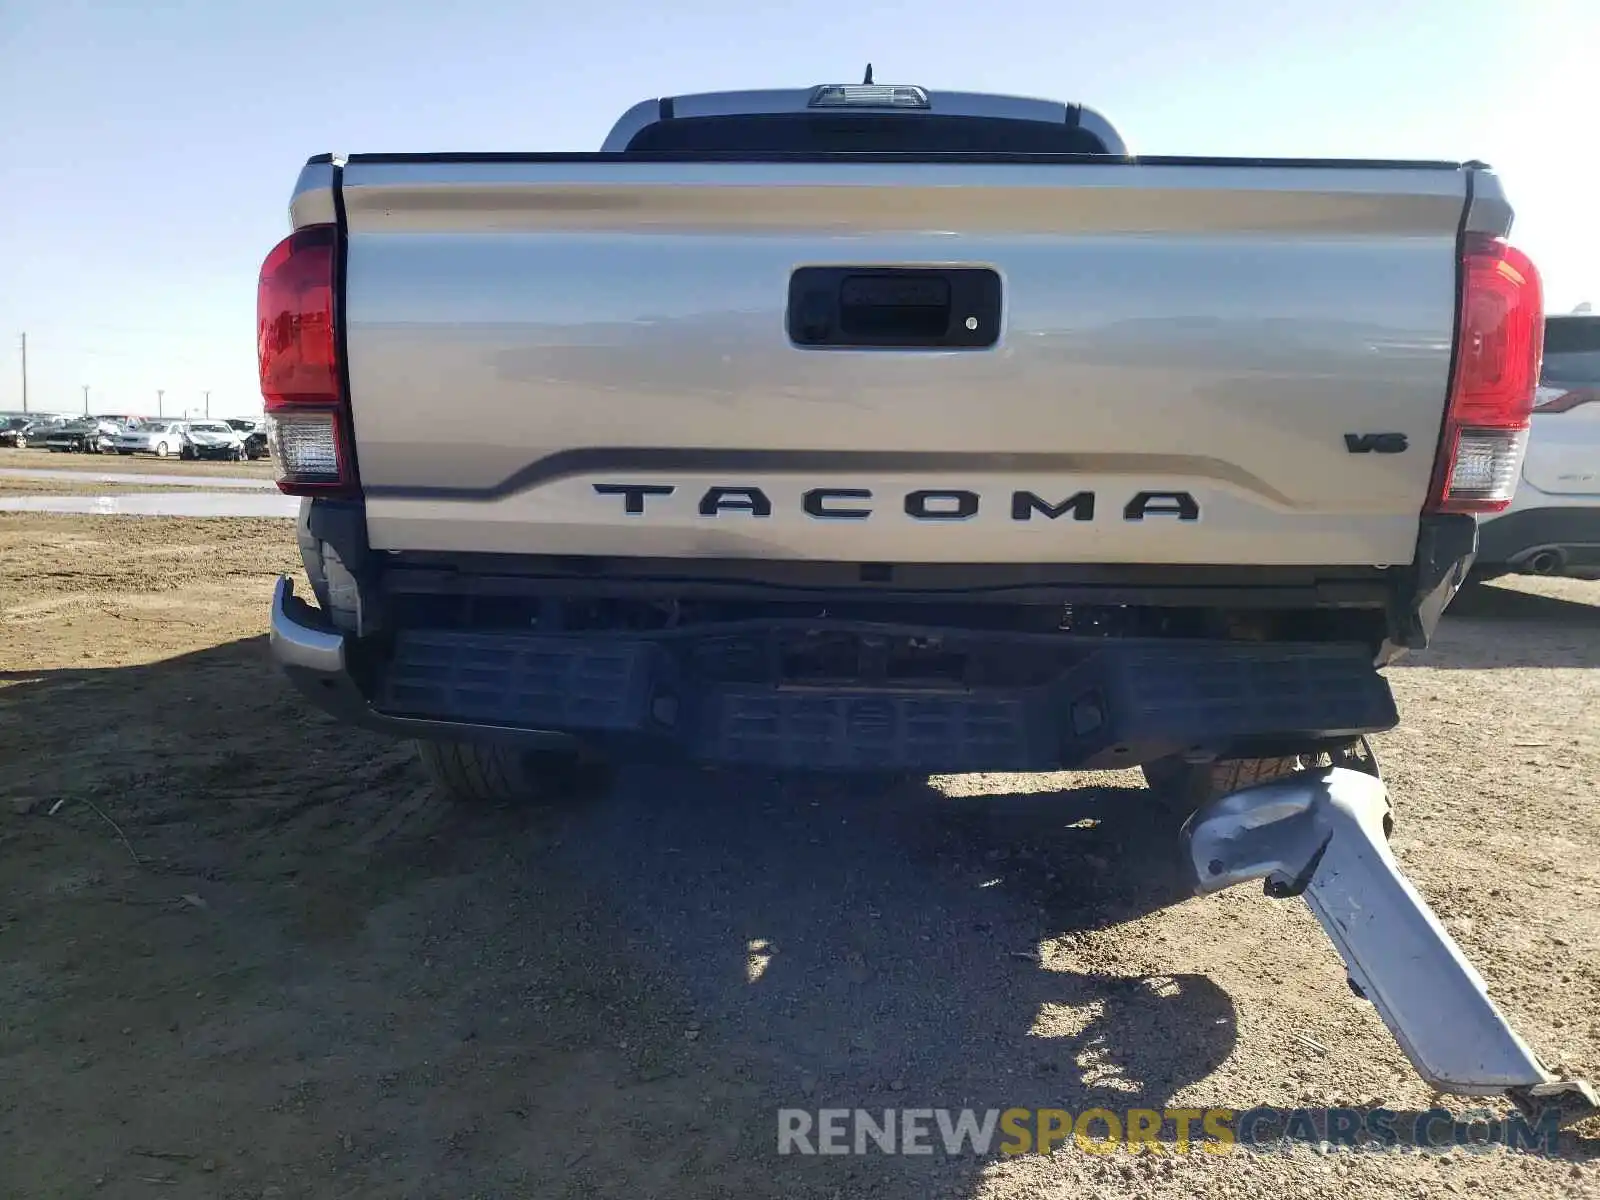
point(900, 307)
point(1446, 546)
point(827, 130)
point(341, 259)
point(1090, 704)
point(1277, 588)
point(1436, 478)
point(340, 697)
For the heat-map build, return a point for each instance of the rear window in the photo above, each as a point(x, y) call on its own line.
point(878, 133)
point(1571, 351)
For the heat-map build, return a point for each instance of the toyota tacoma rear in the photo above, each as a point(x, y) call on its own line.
point(877, 428)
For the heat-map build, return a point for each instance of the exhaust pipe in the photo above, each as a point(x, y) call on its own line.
point(1546, 562)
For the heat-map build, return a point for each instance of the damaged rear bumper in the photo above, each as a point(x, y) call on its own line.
point(747, 693)
point(314, 655)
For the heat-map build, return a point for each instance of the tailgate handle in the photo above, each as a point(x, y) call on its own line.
point(894, 307)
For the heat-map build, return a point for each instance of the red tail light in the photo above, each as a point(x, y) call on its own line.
point(297, 348)
point(1499, 344)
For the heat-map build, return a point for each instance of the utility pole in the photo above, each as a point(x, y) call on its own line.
point(160, 411)
point(208, 405)
point(86, 399)
point(24, 372)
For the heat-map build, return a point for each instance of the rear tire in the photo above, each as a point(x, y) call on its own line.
point(475, 773)
point(1184, 786)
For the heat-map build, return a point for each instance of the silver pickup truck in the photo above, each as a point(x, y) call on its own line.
point(877, 428)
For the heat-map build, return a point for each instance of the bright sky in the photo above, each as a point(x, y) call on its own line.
point(147, 147)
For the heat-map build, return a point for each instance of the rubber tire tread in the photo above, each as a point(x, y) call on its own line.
point(1186, 786)
point(476, 773)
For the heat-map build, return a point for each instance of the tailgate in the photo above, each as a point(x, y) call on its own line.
point(1203, 362)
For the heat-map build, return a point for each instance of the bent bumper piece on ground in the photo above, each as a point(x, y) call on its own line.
point(1324, 836)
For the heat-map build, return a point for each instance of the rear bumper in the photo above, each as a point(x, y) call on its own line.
point(1564, 540)
point(312, 653)
point(717, 697)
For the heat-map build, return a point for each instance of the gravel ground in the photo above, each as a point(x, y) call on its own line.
point(244, 952)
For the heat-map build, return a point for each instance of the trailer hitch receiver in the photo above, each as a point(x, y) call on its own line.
point(1323, 835)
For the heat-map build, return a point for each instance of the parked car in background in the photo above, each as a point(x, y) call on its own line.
point(161, 438)
point(20, 431)
point(211, 439)
point(1553, 524)
point(86, 435)
point(254, 433)
point(14, 431)
point(43, 418)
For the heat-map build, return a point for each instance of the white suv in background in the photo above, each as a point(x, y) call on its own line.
point(1553, 524)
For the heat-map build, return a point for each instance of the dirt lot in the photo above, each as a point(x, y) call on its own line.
point(142, 464)
point(245, 953)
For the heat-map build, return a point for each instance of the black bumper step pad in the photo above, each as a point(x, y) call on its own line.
point(1137, 703)
point(892, 731)
point(527, 682)
point(1123, 704)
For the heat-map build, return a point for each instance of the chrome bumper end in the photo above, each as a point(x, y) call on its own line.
point(300, 636)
